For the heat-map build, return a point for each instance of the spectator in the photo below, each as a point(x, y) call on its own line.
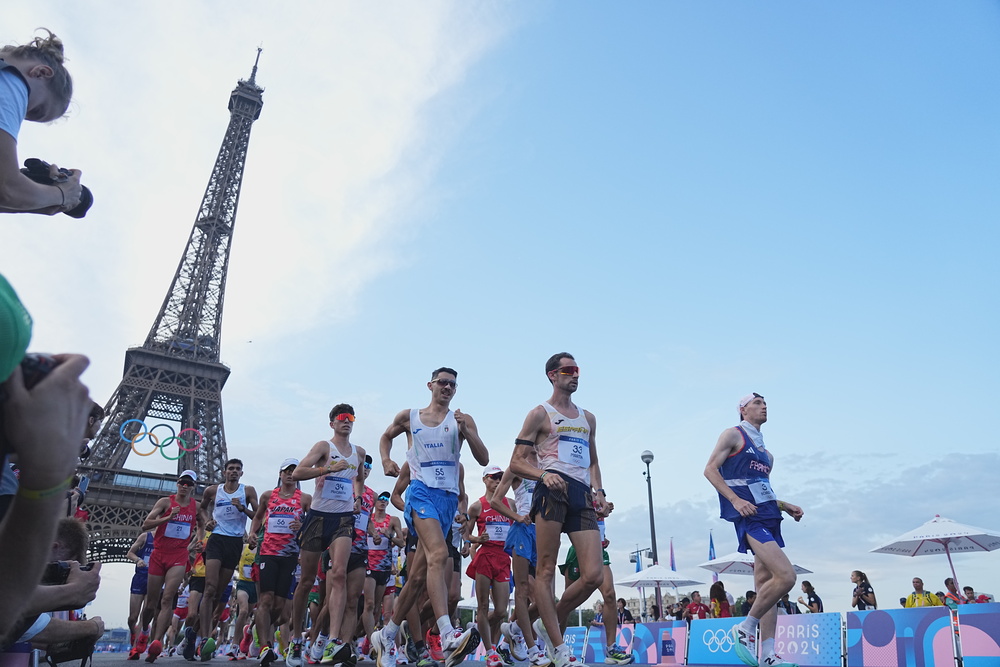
point(719, 602)
point(34, 86)
point(598, 621)
point(748, 602)
point(696, 609)
point(624, 615)
point(654, 614)
point(921, 598)
point(680, 608)
point(812, 601)
point(864, 595)
point(787, 606)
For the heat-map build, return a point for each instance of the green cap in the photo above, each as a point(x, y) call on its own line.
point(15, 329)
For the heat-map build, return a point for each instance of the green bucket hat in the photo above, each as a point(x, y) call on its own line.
point(15, 329)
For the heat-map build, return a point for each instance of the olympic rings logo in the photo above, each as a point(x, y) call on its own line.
point(717, 640)
point(174, 436)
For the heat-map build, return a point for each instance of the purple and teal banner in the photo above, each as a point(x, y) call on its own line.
point(810, 640)
point(979, 628)
point(711, 644)
point(918, 637)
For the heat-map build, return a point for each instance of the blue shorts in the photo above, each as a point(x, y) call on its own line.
point(139, 581)
point(762, 530)
point(430, 503)
point(521, 542)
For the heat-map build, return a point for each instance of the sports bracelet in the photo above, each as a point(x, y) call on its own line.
point(62, 193)
point(31, 494)
point(541, 477)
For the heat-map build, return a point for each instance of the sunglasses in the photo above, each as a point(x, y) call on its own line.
point(568, 370)
point(496, 476)
point(384, 499)
point(185, 482)
point(368, 466)
point(345, 417)
point(446, 383)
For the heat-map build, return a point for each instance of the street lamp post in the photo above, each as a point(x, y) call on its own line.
point(647, 458)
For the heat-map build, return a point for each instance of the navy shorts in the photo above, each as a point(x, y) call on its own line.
point(762, 530)
point(139, 581)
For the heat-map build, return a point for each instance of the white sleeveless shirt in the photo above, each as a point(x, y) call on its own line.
point(566, 449)
point(335, 490)
point(433, 457)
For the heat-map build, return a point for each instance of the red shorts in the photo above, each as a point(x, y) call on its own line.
point(492, 563)
point(160, 561)
point(181, 613)
point(225, 616)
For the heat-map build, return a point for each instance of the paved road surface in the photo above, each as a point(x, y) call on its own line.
point(118, 659)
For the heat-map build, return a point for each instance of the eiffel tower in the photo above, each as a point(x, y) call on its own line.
point(176, 376)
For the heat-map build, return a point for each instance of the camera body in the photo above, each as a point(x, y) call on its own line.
point(34, 367)
point(57, 572)
point(38, 171)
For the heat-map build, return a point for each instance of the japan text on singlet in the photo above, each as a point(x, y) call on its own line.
point(335, 490)
point(360, 542)
point(746, 472)
point(523, 494)
point(492, 523)
point(380, 555)
point(433, 457)
point(279, 538)
point(566, 448)
point(229, 520)
point(176, 533)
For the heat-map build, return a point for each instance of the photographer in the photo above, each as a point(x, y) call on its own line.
point(34, 86)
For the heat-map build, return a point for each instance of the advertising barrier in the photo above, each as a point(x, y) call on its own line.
point(979, 629)
point(711, 644)
point(916, 637)
point(810, 640)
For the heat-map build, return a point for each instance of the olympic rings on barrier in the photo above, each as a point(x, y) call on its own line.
point(157, 444)
point(718, 640)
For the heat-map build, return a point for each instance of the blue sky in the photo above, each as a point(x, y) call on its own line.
point(697, 199)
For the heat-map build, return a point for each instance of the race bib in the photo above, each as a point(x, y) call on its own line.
point(497, 531)
point(575, 451)
point(280, 524)
point(600, 527)
point(177, 530)
point(762, 491)
point(247, 571)
point(383, 545)
point(361, 521)
point(440, 474)
point(226, 512)
point(338, 488)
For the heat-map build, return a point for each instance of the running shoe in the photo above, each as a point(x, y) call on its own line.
point(434, 646)
point(207, 649)
point(616, 655)
point(294, 657)
point(515, 640)
point(399, 657)
point(459, 645)
point(282, 645)
point(539, 659)
point(142, 642)
point(540, 632)
point(315, 652)
point(412, 654)
point(504, 652)
point(335, 652)
point(775, 660)
point(493, 659)
point(155, 648)
point(381, 647)
point(267, 656)
point(745, 644)
point(190, 637)
point(364, 646)
point(428, 661)
point(133, 653)
point(231, 652)
point(566, 659)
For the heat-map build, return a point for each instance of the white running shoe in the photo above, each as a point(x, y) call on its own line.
point(568, 661)
point(775, 660)
point(539, 660)
point(457, 646)
point(745, 644)
point(540, 632)
point(382, 648)
point(518, 647)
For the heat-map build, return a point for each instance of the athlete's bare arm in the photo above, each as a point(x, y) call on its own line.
point(133, 551)
point(534, 430)
point(251, 507)
point(359, 483)
point(399, 425)
point(463, 497)
point(208, 501)
point(468, 431)
point(793, 511)
point(159, 515)
point(402, 481)
point(315, 464)
point(728, 444)
point(258, 517)
point(397, 532)
point(595, 467)
point(475, 509)
point(499, 493)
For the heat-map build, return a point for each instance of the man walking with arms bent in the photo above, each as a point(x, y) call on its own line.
point(434, 435)
point(564, 437)
point(739, 469)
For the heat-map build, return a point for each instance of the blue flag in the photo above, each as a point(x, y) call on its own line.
point(711, 555)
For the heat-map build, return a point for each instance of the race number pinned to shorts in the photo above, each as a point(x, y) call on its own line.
point(497, 530)
point(575, 451)
point(762, 491)
point(280, 524)
point(177, 530)
point(338, 488)
point(439, 474)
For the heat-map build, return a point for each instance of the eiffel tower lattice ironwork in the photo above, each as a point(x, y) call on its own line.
point(176, 375)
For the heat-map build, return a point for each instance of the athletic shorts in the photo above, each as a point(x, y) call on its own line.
point(225, 615)
point(224, 548)
point(521, 542)
point(277, 574)
point(226, 594)
point(491, 562)
point(428, 503)
point(456, 557)
point(313, 597)
point(250, 589)
point(389, 590)
point(139, 581)
point(762, 530)
point(381, 577)
point(162, 560)
point(411, 542)
point(322, 528)
point(573, 508)
point(356, 560)
point(197, 584)
point(181, 613)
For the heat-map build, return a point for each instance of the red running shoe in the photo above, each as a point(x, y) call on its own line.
point(155, 648)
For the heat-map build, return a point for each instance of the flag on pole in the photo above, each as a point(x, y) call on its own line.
point(673, 563)
point(638, 561)
point(711, 555)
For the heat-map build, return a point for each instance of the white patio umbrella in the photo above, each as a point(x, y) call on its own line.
point(942, 536)
point(740, 563)
point(656, 575)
